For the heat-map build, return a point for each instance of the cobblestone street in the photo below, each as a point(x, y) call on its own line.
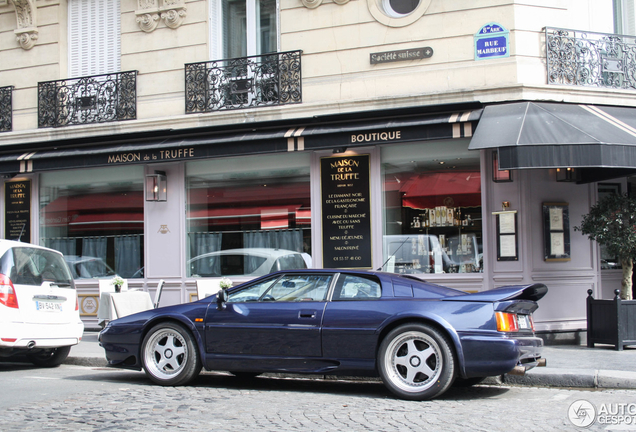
point(127, 401)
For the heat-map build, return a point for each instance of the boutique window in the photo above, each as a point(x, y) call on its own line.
point(248, 216)
point(432, 208)
point(95, 217)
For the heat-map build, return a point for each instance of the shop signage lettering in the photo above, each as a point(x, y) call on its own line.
point(376, 136)
point(401, 55)
point(17, 213)
point(156, 155)
point(346, 222)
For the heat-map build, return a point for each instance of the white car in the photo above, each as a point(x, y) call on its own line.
point(39, 309)
point(251, 262)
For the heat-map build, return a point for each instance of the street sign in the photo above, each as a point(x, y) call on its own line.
point(491, 41)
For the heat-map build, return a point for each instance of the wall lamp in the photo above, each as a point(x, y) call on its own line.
point(339, 150)
point(566, 175)
point(157, 186)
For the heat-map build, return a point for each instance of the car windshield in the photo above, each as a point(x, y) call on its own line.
point(32, 266)
point(289, 262)
point(226, 265)
point(91, 268)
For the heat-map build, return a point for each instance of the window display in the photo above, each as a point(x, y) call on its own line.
point(256, 210)
point(432, 207)
point(95, 217)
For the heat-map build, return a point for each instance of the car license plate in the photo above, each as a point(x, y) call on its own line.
point(48, 306)
point(524, 322)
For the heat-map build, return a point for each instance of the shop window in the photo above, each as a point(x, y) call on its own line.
point(95, 218)
point(243, 28)
point(248, 216)
point(432, 208)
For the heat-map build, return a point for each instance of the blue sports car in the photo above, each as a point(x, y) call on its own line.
point(418, 337)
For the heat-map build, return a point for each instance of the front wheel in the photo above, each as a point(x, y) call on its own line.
point(50, 357)
point(416, 362)
point(169, 355)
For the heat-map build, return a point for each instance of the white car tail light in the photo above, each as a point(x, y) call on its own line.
point(7, 292)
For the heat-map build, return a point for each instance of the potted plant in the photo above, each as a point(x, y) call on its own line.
point(612, 223)
point(118, 283)
point(225, 283)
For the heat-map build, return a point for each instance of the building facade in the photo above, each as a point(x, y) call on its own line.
point(460, 142)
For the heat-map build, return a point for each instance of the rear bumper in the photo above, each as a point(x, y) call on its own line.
point(21, 336)
point(499, 354)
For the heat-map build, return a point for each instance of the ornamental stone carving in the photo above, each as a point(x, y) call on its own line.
point(172, 12)
point(147, 15)
point(26, 17)
point(312, 4)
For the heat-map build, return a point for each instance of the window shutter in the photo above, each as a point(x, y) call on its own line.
point(93, 37)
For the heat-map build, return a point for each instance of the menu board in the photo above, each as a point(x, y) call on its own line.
point(346, 218)
point(17, 214)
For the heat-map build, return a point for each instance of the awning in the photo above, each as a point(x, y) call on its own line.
point(250, 139)
point(557, 135)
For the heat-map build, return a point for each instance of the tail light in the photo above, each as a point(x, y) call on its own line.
point(7, 292)
point(507, 322)
point(76, 302)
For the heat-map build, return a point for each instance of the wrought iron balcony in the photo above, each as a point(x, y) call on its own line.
point(246, 82)
point(92, 99)
point(6, 109)
point(590, 59)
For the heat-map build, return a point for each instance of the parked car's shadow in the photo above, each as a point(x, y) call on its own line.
point(359, 388)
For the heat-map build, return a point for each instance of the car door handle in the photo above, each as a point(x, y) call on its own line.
point(307, 314)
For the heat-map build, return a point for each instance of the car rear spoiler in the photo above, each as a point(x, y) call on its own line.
point(533, 292)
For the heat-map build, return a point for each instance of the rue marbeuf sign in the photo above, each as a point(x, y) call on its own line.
point(346, 219)
point(17, 210)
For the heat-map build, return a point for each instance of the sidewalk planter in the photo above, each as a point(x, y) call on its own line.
point(611, 322)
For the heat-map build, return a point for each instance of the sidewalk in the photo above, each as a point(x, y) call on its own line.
point(567, 365)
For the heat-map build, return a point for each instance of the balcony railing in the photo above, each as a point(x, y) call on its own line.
point(590, 59)
point(92, 99)
point(6, 108)
point(246, 82)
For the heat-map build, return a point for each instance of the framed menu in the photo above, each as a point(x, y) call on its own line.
point(556, 231)
point(507, 248)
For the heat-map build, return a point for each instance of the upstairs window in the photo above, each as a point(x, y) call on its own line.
point(624, 17)
point(93, 37)
point(241, 28)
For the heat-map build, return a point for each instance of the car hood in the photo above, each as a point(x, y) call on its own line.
point(533, 292)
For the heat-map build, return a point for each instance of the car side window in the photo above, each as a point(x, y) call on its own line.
point(353, 287)
point(298, 288)
point(252, 293)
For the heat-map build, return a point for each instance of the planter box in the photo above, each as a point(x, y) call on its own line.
point(611, 322)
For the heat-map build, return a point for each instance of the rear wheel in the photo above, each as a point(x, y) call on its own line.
point(416, 362)
point(169, 355)
point(50, 357)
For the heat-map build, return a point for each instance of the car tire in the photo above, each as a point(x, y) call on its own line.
point(416, 362)
point(50, 357)
point(169, 355)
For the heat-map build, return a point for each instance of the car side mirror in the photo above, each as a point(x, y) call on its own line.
point(221, 299)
